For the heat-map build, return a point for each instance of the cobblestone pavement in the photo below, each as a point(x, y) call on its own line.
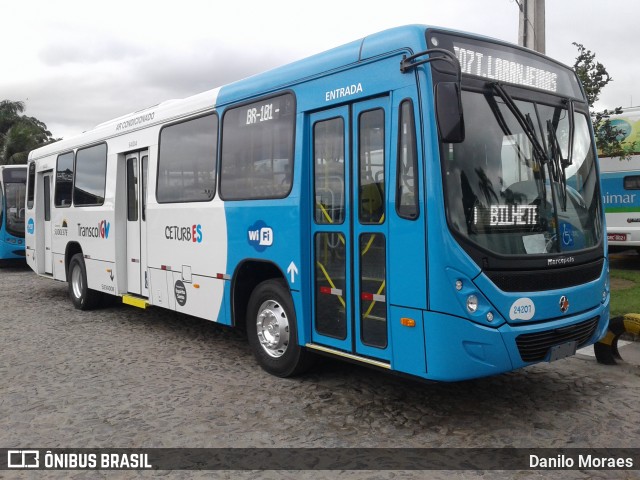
point(124, 377)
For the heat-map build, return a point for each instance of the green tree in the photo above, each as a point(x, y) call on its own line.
point(19, 134)
point(594, 78)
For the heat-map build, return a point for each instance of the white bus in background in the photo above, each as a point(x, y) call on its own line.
point(621, 186)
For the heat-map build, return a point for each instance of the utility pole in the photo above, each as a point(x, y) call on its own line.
point(531, 31)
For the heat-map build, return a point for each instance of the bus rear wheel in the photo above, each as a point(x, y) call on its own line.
point(271, 330)
point(81, 295)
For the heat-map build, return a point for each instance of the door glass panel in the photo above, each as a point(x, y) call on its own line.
point(331, 319)
point(373, 287)
point(47, 199)
point(144, 187)
point(371, 166)
point(132, 189)
point(328, 154)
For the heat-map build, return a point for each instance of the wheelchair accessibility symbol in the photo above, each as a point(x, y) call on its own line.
point(567, 235)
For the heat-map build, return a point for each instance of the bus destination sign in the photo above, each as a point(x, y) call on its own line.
point(261, 112)
point(498, 62)
point(508, 217)
point(483, 64)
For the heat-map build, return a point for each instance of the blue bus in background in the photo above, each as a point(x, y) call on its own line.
point(13, 181)
point(420, 200)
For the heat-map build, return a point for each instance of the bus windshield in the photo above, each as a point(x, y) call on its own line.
point(516, 185)
point(14, 192)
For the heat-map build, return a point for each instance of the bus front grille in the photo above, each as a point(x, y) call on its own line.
point(537, 280)
point(534, 347)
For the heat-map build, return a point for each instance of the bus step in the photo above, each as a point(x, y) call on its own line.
point(350, 356)
point(135, 301)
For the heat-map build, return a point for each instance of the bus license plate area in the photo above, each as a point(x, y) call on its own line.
point(564, 350)
point(617, 237)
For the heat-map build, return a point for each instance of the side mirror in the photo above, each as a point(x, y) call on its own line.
point(449, 112)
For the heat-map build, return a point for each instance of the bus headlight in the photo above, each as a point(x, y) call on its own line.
point(607, 286)
point(472, 303)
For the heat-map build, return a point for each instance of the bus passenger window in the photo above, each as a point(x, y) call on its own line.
point(90, 175)
point(187, 163)
point(64, 180)
point(257, 149)
point(632, 183)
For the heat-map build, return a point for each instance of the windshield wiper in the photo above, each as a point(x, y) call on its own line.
point(571, 132)
point(525, 122)
point(558, 164)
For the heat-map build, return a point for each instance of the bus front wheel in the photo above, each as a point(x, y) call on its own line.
point(81, 295)
point(271, 330)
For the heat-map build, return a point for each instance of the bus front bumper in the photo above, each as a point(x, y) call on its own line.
point(458, 349)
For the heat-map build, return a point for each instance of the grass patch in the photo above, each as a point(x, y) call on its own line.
point(625, 292)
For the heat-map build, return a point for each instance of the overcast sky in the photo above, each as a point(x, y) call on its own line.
point(79, 63)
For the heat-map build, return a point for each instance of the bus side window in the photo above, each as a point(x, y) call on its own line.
point(406, 175)
point(32, 183)
point(632, 183)
point(258, 149)
point(64, 180)
point(90, 175)
point(187, 161)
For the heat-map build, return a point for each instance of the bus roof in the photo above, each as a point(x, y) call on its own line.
point(406, 37)
point(410, 38)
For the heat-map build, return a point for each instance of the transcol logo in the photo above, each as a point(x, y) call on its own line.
point(260, 236)
point(101, 231)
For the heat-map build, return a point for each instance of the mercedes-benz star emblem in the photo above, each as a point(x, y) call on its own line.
point(564, 304)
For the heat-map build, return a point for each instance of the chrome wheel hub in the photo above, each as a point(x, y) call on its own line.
point(76, 282)
point(273, 328)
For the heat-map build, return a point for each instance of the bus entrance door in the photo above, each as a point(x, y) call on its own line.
point(47, 184)
point(137, 281)
point(350, 154)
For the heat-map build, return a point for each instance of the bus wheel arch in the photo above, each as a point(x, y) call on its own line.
point(247, 276)
point(71, 249)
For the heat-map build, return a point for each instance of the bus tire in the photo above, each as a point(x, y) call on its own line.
point(271, 330)
point(81, 295)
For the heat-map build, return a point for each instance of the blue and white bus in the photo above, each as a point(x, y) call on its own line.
point(621, 185)
point(419, 200)
point(13, 181)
